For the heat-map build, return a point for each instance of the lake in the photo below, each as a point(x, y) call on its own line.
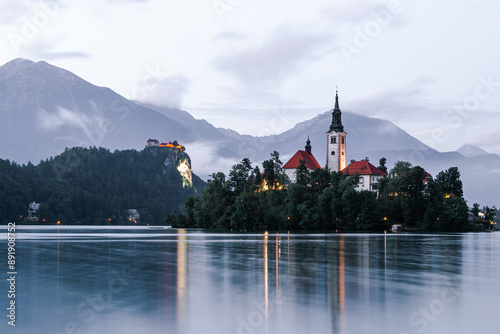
point(142, 280)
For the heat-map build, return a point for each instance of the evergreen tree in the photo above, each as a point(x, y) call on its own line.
point(382, 163)
point(450, 183)
point(302, 174)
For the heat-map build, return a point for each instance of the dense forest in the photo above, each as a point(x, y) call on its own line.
point(96, 186)
point(249, 199)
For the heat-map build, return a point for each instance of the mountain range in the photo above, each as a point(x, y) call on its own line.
point(44, 109)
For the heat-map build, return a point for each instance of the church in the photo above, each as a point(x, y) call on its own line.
point(336, 156)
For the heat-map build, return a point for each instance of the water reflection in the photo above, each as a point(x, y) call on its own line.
point(182, 265)
point(266, 282)
point(122, 280)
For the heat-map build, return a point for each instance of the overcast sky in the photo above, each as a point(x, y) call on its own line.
point(259, 67)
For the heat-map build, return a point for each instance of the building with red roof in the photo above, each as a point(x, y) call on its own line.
point(369, 175)
point(311, 163)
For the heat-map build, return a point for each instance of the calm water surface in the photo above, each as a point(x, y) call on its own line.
point(124, 280)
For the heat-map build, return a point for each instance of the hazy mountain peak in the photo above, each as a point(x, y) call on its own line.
point(18, 62)
point(14, 66)
point(469, 150)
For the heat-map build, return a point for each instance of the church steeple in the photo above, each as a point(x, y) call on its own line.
point(336, 140)
point(336, 116)
point(308, 146)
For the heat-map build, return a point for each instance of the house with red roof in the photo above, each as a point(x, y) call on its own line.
point(311, 163)
point(369, 175)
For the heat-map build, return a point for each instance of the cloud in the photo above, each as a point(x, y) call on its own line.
point(395, 104)
point(49, 49)
point(284, 53)
point(489, 141)
point(345, 13)
point(10, 13)
point(61, 55)
point(205, 159)
point(165, 91)
point(94, 126)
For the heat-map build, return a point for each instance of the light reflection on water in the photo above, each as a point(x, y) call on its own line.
point(140, 280)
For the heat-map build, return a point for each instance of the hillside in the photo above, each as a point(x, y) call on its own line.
point(96, 186)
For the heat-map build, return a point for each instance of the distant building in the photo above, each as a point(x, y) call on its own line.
point(32, 211)
point(311, 163)
point(153, 142)
point(369, 175)
point(336, 146)
point(156, 143)
point(133, 215)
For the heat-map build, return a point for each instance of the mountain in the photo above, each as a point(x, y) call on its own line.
point(44, 109)
point(469, 151)
point(96, 186)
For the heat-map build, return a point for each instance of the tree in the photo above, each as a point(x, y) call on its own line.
point(320, 179)
point(302, 174)
point(451, 185)
point(216, 202)
point(244, 214)
point(489, 213)
point(256, 179)
point(434, 207)
point(239, 176)
point(295, 197)
point(403, 195)
point(270, 178)
point(400, 168)
point(382, 163)
point(274, 175)
point(475, 210)
point(454, 218)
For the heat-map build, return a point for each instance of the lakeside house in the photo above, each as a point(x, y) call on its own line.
point(133, 215)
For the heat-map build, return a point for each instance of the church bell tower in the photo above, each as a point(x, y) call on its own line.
point(336, 154)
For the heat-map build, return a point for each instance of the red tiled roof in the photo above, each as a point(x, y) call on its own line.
point(153, 140)
point(427, 175)
point(363, 168)
point(294, 162)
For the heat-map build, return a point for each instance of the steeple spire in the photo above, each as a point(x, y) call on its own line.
point(308, 146)
point(337, 115)
point(337, 99)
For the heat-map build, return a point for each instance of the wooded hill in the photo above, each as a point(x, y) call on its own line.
point(96, 186)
